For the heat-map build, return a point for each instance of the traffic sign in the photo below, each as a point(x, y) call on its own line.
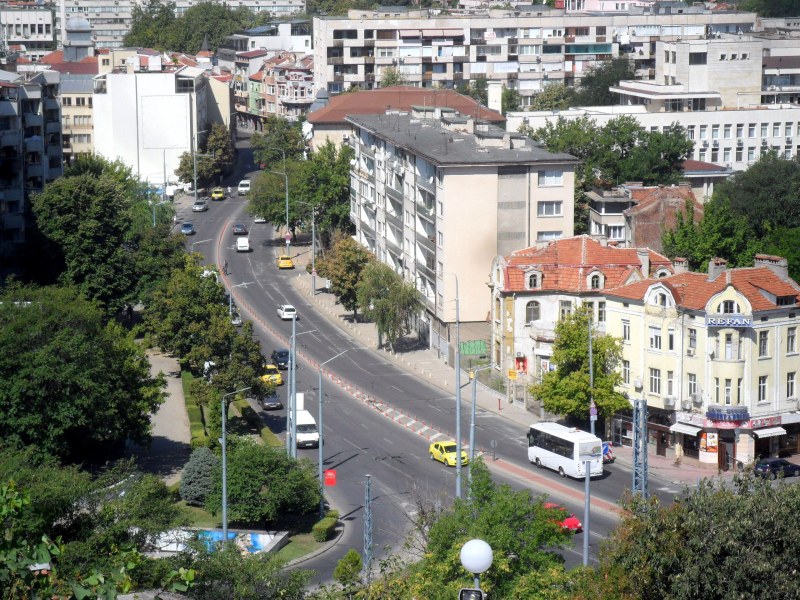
point(288, 237)
point(314, 272)
point(593, 411)
point(330, 477)
point(512, 374)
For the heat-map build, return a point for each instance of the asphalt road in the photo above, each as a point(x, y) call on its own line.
point(358, 440)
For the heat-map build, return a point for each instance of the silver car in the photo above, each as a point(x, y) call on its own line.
point(200, 206)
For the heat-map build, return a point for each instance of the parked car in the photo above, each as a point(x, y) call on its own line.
point(200, 206)
point(772, 467)
point(271, 401)
point(187, 228)
point(445, 453)
point(244, 187)
point(570, 521)
point(239, 229)
point(218, 194)
point(280, 358)
point(242, 244)
point(287, 312)
point(285, 262)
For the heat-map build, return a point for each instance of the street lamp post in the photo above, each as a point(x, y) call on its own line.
point(587, 484)
point(153, 206)
point(321, 400)
point(458, 393)
point(313, 246)
point(230, 295)
point(476, 557)
point(225, 464)
point(474, 376)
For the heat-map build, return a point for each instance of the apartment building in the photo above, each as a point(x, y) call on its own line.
point(533, 288)
point(28, 26)
point(437, 196)
point(283, 87)
point(715, 356)
point(718, 89)
point(110, 20)
point(30, 152)
point(524, 48)
point(289, 36)
point(76, 116)
point(274, 8)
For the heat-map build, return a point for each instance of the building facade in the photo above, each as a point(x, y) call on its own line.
point(437, 196)
point(30, 26)
point(110, 20)
point(716, 358)
point(287, 36)
point(525, 48)
point(76, 116)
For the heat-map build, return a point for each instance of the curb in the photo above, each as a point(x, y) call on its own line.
point(328, 545)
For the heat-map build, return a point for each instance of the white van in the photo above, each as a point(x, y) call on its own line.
point(242, 244)
point(244, 187)
point(307, 432)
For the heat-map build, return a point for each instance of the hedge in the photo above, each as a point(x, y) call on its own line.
point(323, 529)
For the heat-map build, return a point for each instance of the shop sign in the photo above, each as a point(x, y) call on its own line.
point(763, 422)
point(729, 321)
point(709, 442)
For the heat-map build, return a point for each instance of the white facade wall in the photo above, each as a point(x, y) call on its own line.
point(110, 19)
point(32, 27)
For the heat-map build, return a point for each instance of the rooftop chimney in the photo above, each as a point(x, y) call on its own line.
point(680, 264)
point(644, 259)
point(716, 267)
point(776, 264)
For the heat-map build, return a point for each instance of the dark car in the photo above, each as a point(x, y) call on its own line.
point(772, 467)
point(187, 228)
point(280, 358)
point(239, 229)
point(271, 401)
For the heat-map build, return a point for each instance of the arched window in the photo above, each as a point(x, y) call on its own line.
point(595, 283)
point(662, 299)
point(533, 281)
point(532, 311)
point(729, 307)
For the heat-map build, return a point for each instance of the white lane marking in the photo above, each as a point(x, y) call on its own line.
point(388, 441)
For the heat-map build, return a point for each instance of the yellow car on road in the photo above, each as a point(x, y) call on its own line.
point(218, 194)
point(272, 375)
point(445, 452)
point(285, 262)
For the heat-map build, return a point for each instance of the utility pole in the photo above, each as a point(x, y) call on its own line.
point(640, 448)
point(367, 530)
point(458, 395)
point(293, 389)
point(588, 464)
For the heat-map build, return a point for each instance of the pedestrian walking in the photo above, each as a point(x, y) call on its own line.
point(225, 268)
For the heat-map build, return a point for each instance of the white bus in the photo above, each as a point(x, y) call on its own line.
point(565, 449)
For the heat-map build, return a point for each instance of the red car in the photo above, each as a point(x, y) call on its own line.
point(571, 522)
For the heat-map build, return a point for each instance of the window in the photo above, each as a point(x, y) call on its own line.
point(763, 342)
point(66, 101)
point(693, 339)
point(715, 132)
point(626, 331)
point(739, 131)
point(751, 154)
point(726, 155)
point(739, 391)
point(729, 307)
point(698, 58)
point(764, 129)
point(616, 232)
point(690, 132)
point(551, 178)
point(727, 133)
point(791, 337)
point(565, 308)
point(692, 384)
point(549, 209)
point(751, 130)
point(655, 338)
point(595, 282)
point(776, 130)
point(790, 377)
point(533, 280)
point(626, 371)
point(787, 130)
point(703, 132)
point(670, 375)
point(548, 236)
point(601, 312)
point(739, 154)
point(655, 381)
point(728, 391)
point(716, 390)
point(532, 311)
point(440, 239)
point(671, 339)
point(762, 388)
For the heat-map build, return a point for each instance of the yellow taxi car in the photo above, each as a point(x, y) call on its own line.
point(272, 375)
point(445, 452)
point(285, 262)
point(218, 194)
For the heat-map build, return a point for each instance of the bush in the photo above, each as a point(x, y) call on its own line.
point(333, 514)
point(197, 480)
point(323, 529)
point(200, 442)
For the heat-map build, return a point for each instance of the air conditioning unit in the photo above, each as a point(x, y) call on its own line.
point(763, 142)
point(788, 141)
point(697, 399)
point(686, 405)
point(690, 352)
point(772, 88)
point(346, 137)
point(705, 143)
point(669, 401)
point(538, 59)
point(637, 383)
point(715, 143)
point(740, 142)
point(520, 355)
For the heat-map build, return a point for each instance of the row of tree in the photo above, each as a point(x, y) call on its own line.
point(215, 157)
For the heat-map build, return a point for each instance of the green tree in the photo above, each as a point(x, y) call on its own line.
point(205, 21)
point(69, 383)
point(566, 391)
point(387, 300)
point(391, 76)
point(343, 266)
point(477, 89)
point(593, 89)
point(155, 253)
point(267, 196)
point(278, 135)
point(348, 572)
point(554, 96)
point(264, 483)
point(771, 8)
point(197, 477)
point(511, 100)
point(150, 24)
point(216, 156)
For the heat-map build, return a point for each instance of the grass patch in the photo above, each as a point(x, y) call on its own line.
point(270, 439)
point(299, 545)
point(197, 426)
point(199, 517)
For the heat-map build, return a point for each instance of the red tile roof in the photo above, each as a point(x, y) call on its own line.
point(374, 102)
point(566, 264)
point(79, 68)
point(698, 165)
point(252, 53)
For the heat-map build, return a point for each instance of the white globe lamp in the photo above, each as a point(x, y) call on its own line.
point(476, 557)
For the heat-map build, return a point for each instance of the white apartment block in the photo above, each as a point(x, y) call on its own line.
point(110, 20)
point(437, 196)
point(274, 8)
point(524, 49)
point(289, 36)
point(29, 26)
point(76, 116)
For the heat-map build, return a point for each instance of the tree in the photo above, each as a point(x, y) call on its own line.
point(267, 196)
point(554, 96)
point(70, 384)
point(150, 25)
point(264, 483)
point(477, 89)
point(343, 266)
point(387, 300)
point(155, 253)
point(771, 8)
point(665, 552)
point(216, 156)
point(197, 477)
point(566, 391)
point(278, 135)
point(391, 76)
point(593, 89)
point(511, 100)
point(348, 572)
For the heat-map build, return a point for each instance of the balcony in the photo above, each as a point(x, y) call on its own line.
point(393, 193)
point(53, 127)
point(32, 119)
point(34, 169)
point(335, 60)
point(426, 240)
point(426, 267)
point(460, 59)
point(9, 138)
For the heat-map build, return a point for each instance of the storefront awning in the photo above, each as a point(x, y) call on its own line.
point(769, 432)
point(685, 429)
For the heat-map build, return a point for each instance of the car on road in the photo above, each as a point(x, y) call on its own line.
point(244, 187)
point(566, 519)
point(445, 452)
point(280, 358)
point(772, 467)
point(287, 312)
point(285, 262)
point(270, 400)
point(239, 229)
point(259, 219)
point(242, 244)
point(218, 194)
point(201, 205)
point(187, 228)
point(272, 375)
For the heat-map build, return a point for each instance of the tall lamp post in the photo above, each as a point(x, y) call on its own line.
point(230, 295)
point(592, 418)
point(153, 206)
point(321, 400)
point(473, 374)
point(225, 464)
point(313, 247)
point(476, 557)
point(458, 393)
